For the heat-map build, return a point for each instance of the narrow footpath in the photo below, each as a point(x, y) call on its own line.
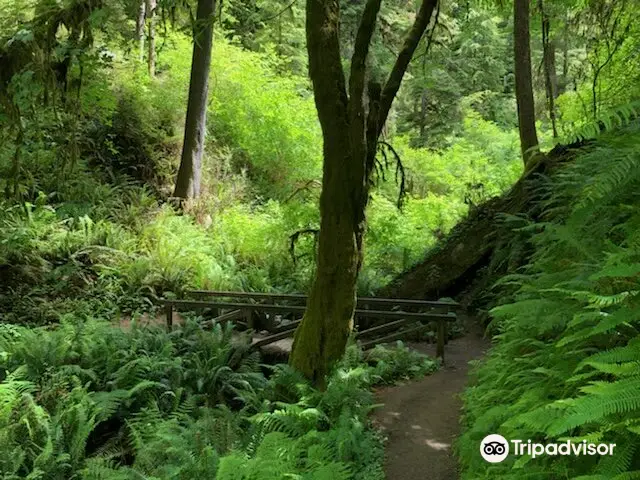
point(421, 418)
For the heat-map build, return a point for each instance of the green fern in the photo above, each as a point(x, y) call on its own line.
point(566, 356)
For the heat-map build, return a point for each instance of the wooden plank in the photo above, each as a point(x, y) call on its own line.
point(290, 326)
point(426, 316)
point(272, 338)
point(385, 327)
point(393, 336)
point(198, 304)
point(229, 316)
point(406, 302)
point(250, 295)
point(296, 296)
point(247, 313)
point(298, 308)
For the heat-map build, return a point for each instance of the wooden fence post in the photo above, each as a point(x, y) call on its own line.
point(169, 313)
point(248, 315)
point(446, 333)
point(441, 340)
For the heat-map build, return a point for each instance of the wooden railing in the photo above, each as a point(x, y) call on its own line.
point(392, 318)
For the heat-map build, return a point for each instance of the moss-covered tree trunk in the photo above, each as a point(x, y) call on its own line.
point(350, 135)
point(189, 174)
point(322, 335)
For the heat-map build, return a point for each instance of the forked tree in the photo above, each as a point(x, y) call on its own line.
point(351, 126)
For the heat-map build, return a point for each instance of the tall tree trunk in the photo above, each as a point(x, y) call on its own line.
point(151, 15)
point(188, 180)
point(549, 66)
point(140, 24)
point(524, 82)
point(350, 137)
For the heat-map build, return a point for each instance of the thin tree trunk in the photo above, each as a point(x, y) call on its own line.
point(350, 136)
point(189, 174)
point(151, 57)
point(524, 82)
point(140, 29)
point(423, 115)
point(549, 66)
point(553, 71)
point(564, 83)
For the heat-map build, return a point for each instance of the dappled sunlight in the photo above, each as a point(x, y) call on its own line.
point(436, 445)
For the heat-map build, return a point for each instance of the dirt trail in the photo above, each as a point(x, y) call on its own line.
point(421, 418)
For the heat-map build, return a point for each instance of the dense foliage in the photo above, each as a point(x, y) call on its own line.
point(90, 141)
point(95, 230)
point(87, 400)
point(565, 360)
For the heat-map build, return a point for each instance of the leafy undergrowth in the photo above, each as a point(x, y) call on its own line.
point(566, 359)
point(389, 365)
point(87, 400)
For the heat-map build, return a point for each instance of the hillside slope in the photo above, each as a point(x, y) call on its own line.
point(564, 362)
point(481, 246)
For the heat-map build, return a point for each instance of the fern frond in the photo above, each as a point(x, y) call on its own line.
point(604, 399)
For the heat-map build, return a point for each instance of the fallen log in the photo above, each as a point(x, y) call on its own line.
point(465, 263)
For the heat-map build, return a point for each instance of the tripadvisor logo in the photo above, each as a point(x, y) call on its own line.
point(495, 448)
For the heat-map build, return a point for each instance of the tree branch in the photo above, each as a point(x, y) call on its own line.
point(361, 50)
point(401, 175)
point(294, 238)
point(372, 127)
point(307, 186)
point(281, 12)
point(325, 64)
point(404, 58)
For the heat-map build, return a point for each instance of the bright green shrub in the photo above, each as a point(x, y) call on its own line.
point(441, 187)
point(268, 120)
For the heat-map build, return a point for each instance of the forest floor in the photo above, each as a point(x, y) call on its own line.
point(421, 419)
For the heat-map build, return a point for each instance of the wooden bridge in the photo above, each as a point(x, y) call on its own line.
point(377, 320)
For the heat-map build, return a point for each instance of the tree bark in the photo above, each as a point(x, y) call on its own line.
point(189, 173)
point(140, 23)
point(524, 82)
point(549, 66)
point(151, 15)
point(350, 137)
